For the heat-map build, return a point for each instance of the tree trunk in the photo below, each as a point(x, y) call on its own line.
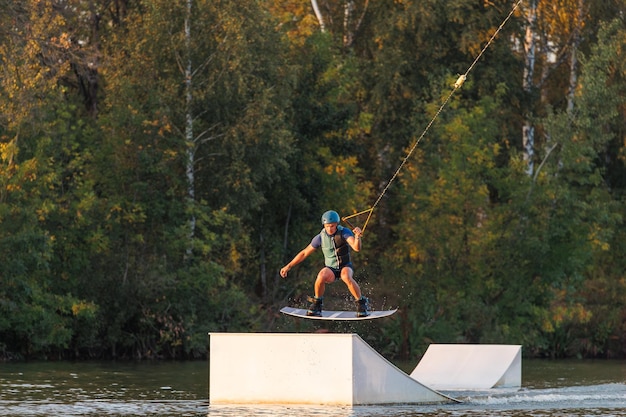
point(191, 192)
point(573, 64)
point(318, 14)
point(348, 34)
point(528, 130)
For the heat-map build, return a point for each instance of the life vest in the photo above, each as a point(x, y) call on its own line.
point(335, 248)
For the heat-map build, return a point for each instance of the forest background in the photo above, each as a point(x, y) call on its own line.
point(161, 160)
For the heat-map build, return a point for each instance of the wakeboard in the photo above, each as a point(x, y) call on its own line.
point(336, 315)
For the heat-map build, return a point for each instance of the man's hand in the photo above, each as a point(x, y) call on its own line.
point(357, 232)
point(284, 270)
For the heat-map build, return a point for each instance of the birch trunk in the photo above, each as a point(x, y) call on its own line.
point(318, 14)
point(528, 130)
point(348, 34)
point(573, 65)
point(189, 141)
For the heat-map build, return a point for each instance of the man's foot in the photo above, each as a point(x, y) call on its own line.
point(315, 309)
point(363, 307)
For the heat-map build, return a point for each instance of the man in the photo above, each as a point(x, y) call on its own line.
point(336, 242)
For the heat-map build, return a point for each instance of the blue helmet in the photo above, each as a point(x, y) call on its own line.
point(330, 216)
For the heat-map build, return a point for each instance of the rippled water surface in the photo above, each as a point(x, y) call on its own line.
point(549, 388)
point(104, 388)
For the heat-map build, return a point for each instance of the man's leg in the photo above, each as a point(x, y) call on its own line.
point(325, 276)
point(363, 307)
point(346, 276)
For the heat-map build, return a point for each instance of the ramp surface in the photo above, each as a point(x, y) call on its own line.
point(470, 367)
point(289, 368)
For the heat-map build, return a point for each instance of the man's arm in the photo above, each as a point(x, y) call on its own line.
point(301, 256)
point(355, 241)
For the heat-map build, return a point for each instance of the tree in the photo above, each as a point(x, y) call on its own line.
point(584, 134)
point(202, 144)
point(44, 158)
point(555, 34)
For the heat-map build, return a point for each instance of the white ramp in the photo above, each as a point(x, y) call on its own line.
point(470, 367)
point(289, 368)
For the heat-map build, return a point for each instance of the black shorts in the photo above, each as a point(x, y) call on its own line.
point(337, 271)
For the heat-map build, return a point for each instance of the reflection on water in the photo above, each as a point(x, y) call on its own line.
point(550, 388)
point(105, 408)
point(107, 388)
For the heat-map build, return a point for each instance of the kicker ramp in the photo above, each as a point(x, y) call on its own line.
point(290, 368)
point(470, 367)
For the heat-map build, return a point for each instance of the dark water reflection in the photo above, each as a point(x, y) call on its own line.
point(550, 388)
point(104, 388)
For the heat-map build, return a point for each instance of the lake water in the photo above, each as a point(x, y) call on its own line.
point(549, 388)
